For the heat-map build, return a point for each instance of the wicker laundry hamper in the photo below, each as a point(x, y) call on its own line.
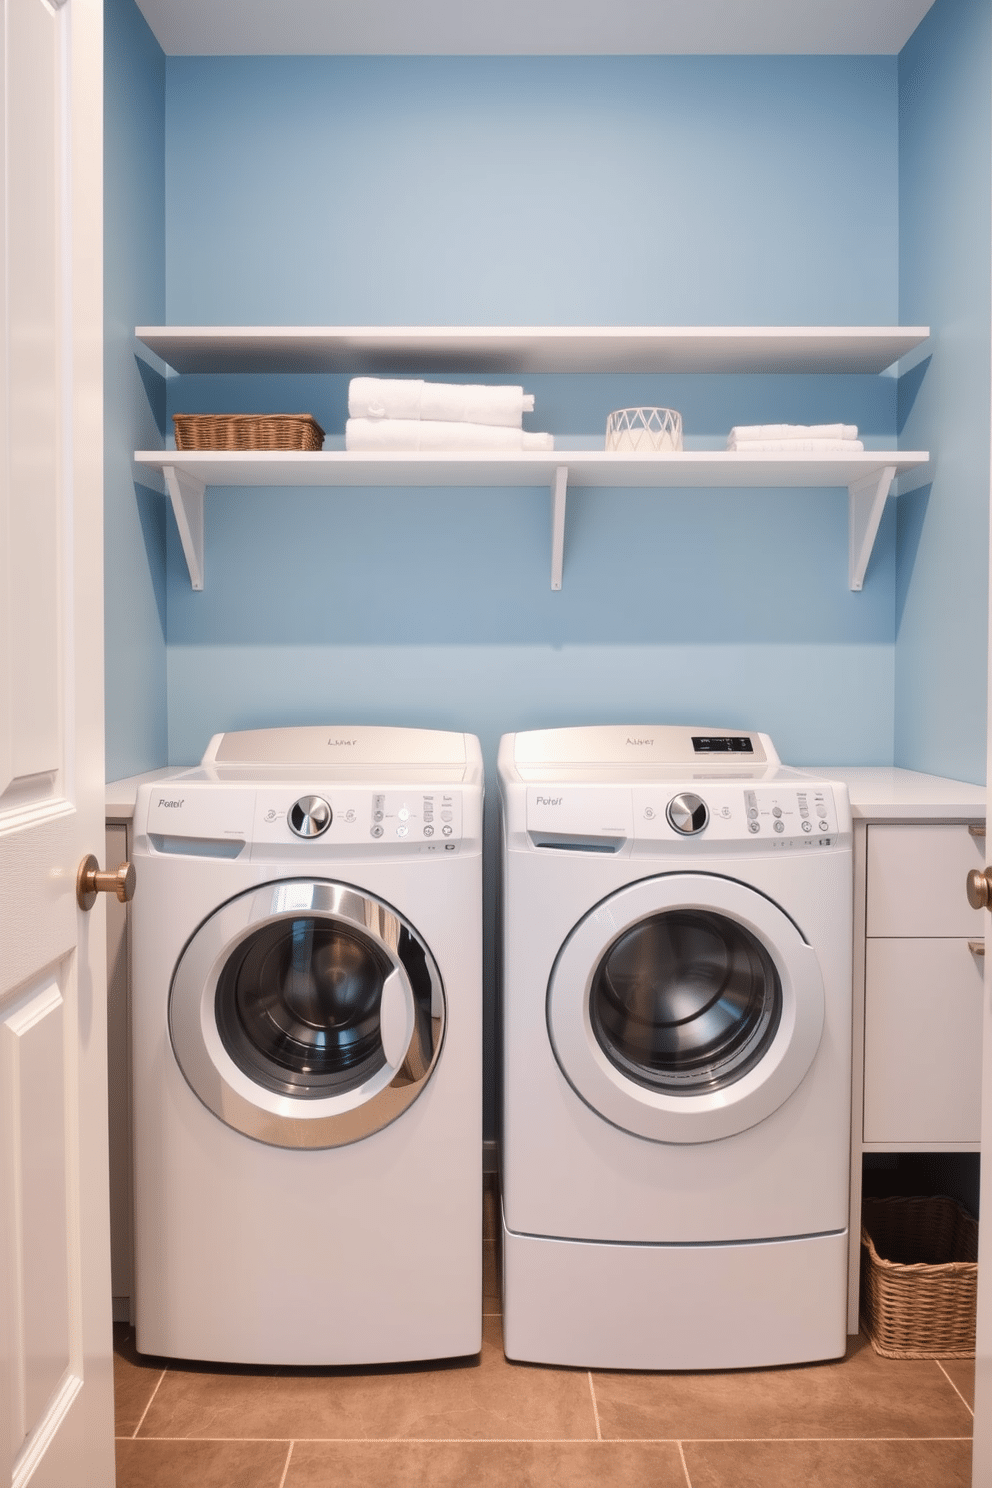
point(247, 431)
point(919, 1277)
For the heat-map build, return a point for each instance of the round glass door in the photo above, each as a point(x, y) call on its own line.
point(306, 1014)
point(685, 1008)
point(686, 1001)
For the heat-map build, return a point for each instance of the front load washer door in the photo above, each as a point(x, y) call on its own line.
point(306, 1014)
point(685, 1008)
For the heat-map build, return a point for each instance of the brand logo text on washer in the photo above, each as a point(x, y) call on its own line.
point(164, 802)
point(549, 800)
point(342, 741)
point(640, 741)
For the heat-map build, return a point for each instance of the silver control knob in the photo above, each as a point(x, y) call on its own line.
point(687, 813)
point(309, 816)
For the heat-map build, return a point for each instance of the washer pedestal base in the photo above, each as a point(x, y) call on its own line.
point(612, 1306)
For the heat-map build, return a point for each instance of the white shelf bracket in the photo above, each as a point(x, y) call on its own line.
point(865, 504)
point(559, 486)
point(186, 493)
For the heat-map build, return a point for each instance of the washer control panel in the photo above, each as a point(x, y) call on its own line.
point(773, 814)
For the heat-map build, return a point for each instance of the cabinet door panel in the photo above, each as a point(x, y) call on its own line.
point(916, 880)
point(923, 1045)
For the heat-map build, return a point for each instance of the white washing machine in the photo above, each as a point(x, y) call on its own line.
point(676, 1063)
point(307, 1049)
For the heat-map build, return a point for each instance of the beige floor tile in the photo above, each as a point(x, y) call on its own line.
point(962, 1373)
point(859, 1396)
point(135, 1380)
point(485, 1465)
point(875, 1464)
point(200, 1464)
point(480, 1398)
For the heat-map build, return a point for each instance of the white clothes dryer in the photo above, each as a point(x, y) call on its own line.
point(306, 949)
point(676, 1050)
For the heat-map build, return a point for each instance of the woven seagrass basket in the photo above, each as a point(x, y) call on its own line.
point(919, 1277)
point(247, 431)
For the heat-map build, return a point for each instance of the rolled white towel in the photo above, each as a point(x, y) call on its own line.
point(444, 402)
point(435, 435)
point(791, 431)
point(796, 446)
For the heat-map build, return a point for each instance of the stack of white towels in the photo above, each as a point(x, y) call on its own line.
point(408, 414)
point(795, 439)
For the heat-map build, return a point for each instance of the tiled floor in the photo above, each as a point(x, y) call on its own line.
point(857, 1422)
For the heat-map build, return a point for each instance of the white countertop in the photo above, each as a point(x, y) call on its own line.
point(878, 793)
point(883, 793)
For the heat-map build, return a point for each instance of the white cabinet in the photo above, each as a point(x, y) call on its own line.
point(398, 351)
point(923, 987)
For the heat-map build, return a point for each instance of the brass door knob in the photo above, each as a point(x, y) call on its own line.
point(91, 880)
point(980, 888)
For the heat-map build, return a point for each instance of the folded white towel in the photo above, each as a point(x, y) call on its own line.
point(432, 434)
point(792, 431)
point(795, 446)
point(444, 402)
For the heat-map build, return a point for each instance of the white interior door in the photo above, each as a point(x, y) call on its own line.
point(56, 1394)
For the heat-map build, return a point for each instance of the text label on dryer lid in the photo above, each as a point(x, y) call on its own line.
point(640, 741)
point(342, 741)
point(164, 802)
point(549, 800)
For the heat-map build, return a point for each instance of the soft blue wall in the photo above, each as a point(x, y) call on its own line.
point(945, 125)
point(134, 395)
point(665, 190)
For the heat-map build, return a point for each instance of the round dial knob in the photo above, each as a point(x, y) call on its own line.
point(687, 813)
point(309, 816)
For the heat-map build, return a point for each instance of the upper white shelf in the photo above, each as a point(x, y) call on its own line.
point(377, 350)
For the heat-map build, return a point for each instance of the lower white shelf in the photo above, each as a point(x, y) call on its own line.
point(868, 475)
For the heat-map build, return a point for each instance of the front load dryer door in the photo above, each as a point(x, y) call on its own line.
point(685, 1008)
point(306, 1014)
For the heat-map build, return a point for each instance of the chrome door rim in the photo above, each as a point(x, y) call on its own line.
point(265, 1115)
point(691, 1117)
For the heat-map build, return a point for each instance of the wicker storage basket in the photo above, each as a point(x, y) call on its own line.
point(919, 1277)
point(247, 431)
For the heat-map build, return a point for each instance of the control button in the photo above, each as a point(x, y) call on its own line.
point(403, 813)
point(310, 816)
point(649, 813)
point(450, 846)
point(754, 826)
point(753, 813)
point(377, 816)
point(807, 826)
point(270, 815)
point(402, 831)
point(350, 815)
point(428, 831)
point(687, 813)
point(776, 811)
point(376, 831)
point(824, 826)
point(446, 831)
point(780, 826)
point(725, 812)
point(446, 816)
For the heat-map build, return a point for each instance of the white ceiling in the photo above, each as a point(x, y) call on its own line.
point(531, 27)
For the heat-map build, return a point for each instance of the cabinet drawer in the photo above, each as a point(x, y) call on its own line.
point(916, 881)
point(923, 1041)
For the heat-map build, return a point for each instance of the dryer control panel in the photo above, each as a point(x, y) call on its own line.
point(310, 819)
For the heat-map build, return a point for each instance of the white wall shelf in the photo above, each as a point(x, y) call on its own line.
point(447, 350)
point(867, 474)
point(365, 350)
